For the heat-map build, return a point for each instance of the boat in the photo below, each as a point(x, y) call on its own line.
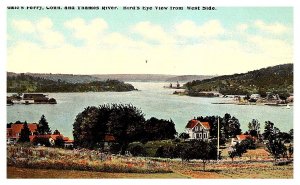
point(31, 98)
point(288, 106)
point(171, 86)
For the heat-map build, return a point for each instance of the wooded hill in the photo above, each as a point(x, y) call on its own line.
point(21, 83)
point(276, 79)
point(73, 78)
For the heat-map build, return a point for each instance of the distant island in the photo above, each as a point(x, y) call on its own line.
point(24, 83)
point(275, 80)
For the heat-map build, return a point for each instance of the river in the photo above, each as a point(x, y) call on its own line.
point(154, 101)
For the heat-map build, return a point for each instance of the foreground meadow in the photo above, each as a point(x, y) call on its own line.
point(42, 162)
point(216, 171)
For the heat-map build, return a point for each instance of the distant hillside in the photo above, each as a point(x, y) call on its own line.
point(276, 79)
point(71, 78)
point(21, 83)
point(187, 78)
point(136, 77)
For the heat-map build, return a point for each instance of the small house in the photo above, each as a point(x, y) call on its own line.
point(13, 132)
point(109, 139)
point(198, 130)
point(240, 138)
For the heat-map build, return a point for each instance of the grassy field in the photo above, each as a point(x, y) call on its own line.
point(251, 170)
point(43, 162)
point(14, 172)
point(213, 171)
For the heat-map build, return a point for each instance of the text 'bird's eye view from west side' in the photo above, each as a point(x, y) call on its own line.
point(149, 92)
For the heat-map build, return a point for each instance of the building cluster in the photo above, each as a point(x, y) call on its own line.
point(14, 131)
point(198, 130)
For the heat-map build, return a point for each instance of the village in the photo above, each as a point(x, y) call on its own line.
point(52, 150)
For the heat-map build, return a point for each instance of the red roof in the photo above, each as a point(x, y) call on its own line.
point(15, 129)
point(243, 137)
point(31, 137)
point(205, 125)
point(32, 127)
point(192, 123)
point(109, 137)
point(53, 136)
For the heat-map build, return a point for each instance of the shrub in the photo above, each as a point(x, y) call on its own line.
point(41, 140)
point(137, 149)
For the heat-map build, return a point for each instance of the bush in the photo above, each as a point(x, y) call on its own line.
point(137, 149)
point(41, 140)
point(249, 143)
point(115, 148)
point(59, 142)
point(165, 152)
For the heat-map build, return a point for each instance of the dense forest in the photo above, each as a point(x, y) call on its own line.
point(277, 79)
point(22, 83)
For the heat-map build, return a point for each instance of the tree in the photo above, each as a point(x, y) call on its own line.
point(167, 151)
point(159, 129)
point(90, 127)
point(43, 126)
point(184, 135)
point(233, 127)
point(249, 143)
point(291, 150)
point(56, 132)
point(291, 132)
point(25, 133)
point(254, 128)
point(237, 150)
point(269, 129)
point(276, 148)
point(285, 137)
point(200, 150)
point(137, 149)
point(59, 141)
point(124, 122)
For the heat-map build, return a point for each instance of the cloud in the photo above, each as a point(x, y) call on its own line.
point(44, 25)
point(272, 48)
point(242, 27)
point(90, 32)
point(152, 32)
point(47, 34)
point(188, 28)
point(42, 30)
point(117, 52)
point(273, 28)
point(23, 26)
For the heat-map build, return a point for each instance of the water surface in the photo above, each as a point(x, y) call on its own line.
point(154, 101)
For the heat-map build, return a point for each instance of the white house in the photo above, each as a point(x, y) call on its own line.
point(197, 130)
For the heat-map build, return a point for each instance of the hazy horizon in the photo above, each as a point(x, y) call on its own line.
point(142, 73)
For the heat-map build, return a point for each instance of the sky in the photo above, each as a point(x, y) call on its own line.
point(179, 42)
